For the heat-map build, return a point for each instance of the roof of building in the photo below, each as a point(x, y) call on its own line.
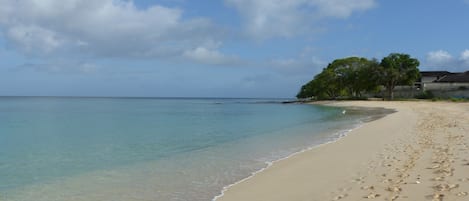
point(455, 77)
point(434, 73)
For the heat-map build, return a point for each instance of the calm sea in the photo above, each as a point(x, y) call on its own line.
point(162, 149)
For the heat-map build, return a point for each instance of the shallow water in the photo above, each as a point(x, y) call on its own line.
point(127, 149)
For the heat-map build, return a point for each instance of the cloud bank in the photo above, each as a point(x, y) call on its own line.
point(107, 28)
point(84, 30)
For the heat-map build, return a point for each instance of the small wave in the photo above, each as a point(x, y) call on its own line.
point(338, 136)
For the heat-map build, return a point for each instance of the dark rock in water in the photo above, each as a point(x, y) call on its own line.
point(290, 102)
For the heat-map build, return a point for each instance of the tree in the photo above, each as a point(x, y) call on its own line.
point(323, 86)
point(328, 84)
point(354, 75)
point(398, 69)
point(343, 77)
point(368, 77)
point(307, 90)
point(351, 74)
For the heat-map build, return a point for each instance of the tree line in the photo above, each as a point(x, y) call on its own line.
point(352, 77)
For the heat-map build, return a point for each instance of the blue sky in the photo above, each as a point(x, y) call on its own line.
point(224, 48)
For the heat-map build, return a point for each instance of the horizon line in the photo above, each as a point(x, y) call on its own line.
point(137, 97)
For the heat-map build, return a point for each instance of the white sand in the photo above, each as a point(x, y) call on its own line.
point(420, 152)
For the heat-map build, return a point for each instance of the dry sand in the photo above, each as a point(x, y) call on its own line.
point(420, 152)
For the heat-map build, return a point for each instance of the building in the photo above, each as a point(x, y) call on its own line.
point(431, 76)
point(445, 84)
point(455, 78)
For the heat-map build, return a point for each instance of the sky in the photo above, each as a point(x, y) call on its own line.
point(213, 48)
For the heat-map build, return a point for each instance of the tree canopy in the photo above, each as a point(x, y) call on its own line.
point(353, 76)
point(398, 69)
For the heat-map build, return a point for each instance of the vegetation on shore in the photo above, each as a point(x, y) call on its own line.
point(352, 77)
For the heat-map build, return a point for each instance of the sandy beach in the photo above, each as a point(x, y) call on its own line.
point(418, 153)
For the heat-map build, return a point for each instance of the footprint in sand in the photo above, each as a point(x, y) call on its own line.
point(393, 189)
point(340, 197)
point(436, 197)
point(464, 179)
point(438, 179)
point(372, 196)
point(359, 180)
point(434, 167)
point(445, 187)
point(394, 197)
point(386, 181)
point(368, 188)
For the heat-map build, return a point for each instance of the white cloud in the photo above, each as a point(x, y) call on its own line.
point(465, 57)
point(341, 8)
point(443, 60)
point(104, 28)
point(208, 56)
point(439, 57)
point(60, 66)
point(33, 38)
point(298, 66)
point(279, 18)
point(269, 18)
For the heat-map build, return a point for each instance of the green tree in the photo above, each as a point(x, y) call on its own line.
point(349, 72)
point(398, 69)
point(307, 90)
point(369, 77)
point(355, 75)
point(328, 84)
point(343, 77)
point(323, 86)
point(352, 76)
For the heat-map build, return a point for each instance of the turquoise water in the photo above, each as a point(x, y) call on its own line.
point(99, 149)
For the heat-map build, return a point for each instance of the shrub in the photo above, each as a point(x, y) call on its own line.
point(425, 95)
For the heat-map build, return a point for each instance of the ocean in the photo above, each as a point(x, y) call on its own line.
point(155, 149)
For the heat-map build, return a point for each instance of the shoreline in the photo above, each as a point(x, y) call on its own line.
point(351, 167)
point(341, 134)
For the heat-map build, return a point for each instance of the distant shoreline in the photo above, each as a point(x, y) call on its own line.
point(149, 97)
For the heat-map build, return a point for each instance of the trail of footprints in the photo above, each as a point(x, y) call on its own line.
point(435, 136)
